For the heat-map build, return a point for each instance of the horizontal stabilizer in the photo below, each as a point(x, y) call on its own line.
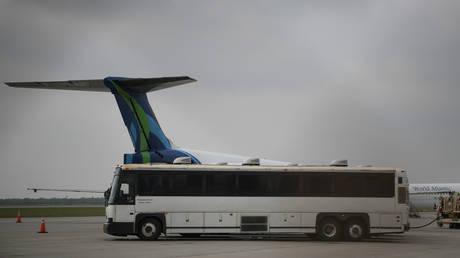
point(140, 85)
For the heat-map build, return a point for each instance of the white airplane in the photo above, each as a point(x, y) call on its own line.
point(426, 196)
point(150, 143)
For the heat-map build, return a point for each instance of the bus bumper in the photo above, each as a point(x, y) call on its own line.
point(119, 228)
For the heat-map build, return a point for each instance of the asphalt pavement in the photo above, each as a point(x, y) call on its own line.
point(83, 237)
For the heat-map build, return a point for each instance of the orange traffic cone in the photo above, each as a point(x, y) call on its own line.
point(18, 220)
point(42, 227)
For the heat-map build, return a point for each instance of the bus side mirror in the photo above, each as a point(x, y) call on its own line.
point(106, 196)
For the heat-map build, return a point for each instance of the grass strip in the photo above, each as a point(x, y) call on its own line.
point(52, 212)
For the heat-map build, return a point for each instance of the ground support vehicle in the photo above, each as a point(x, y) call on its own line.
point(449, 210)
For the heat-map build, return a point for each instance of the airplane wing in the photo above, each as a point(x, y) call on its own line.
point(135, 84)
point(64, 190)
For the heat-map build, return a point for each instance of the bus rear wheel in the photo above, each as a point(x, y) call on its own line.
point(355, 230)
point(330, 230)
point(149, 229)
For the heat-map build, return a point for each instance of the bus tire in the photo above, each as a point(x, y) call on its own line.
point(355, 230)
point(330, 229)
point(149, 229)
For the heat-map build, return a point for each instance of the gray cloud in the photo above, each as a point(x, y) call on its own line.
point(374, 82)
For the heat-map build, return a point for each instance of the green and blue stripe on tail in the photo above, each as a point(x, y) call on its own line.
point(149, 141)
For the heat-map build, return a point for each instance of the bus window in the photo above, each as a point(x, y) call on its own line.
point(187, 185)
point(253, 185)
point(153, 185)
point(220, 185)
point(113, 191)
point(380, 185)
point(350, 185)
point(317, 184)
point(122, 190)
point(286, 184)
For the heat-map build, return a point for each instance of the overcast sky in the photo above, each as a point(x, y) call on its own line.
point(374, 82)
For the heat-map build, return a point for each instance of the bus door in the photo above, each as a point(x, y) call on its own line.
point(125, 200)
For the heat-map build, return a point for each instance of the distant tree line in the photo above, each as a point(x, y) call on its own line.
point(52, 201)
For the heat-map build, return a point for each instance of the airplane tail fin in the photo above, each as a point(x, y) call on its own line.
point(149, 141)
point(143, 127)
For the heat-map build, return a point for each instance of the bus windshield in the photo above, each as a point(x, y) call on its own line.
point(115, 187)
point(122, 190)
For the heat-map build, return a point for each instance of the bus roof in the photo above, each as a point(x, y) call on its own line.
point(194, 167)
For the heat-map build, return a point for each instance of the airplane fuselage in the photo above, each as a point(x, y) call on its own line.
point(426, 196)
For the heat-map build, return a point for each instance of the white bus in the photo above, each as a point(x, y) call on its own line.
point(148, 200)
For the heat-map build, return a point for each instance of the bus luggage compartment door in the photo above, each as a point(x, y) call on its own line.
point(221, 223)
point(285, 222)
point(186, 223)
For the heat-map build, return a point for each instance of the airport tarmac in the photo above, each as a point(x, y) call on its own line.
point(83, 237)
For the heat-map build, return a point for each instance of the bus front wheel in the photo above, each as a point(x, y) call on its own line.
point(330, 230)
point(149, 229)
